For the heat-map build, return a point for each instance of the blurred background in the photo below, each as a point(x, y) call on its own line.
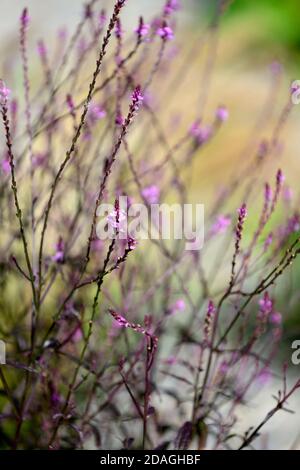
point(248, 65)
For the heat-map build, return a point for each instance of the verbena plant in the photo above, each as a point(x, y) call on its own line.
point(130, 343)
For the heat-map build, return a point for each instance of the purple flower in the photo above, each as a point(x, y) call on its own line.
point(4, 92)
point(137, 95)
point(151, 194)
point(178, 306)
point(59, 255)
point(117, 220)
point(137, 98)
point(242, 211)
point(96, 112)
point(276, 318)
point(264, 376)
point(102, 18)
point(39, 159)
point(200, 133)
point(268, 241)
point(41, 48)
point(222, 114)
point(171, 6)
point(119, 119)
point(221, 224)
point(118, 29)
point(143, 29)
point(295, 86)
point(25, 18)
point(132, 243)
point(5, 165)
point(166, 33)
point(265, 304)
point(280, 178)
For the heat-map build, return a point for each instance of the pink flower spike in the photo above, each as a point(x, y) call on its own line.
point(137, 95)
point(166, 33)
point(25, 18)
point(143, 29)
point(280, 178)
point(4, 92)
point(221, 224)
point(265, 304)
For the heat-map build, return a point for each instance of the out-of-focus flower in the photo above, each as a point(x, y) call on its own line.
point(142, 29)
point(4, 92)
point(117, 220)
point(178, 306)
point(102, 18)
point(171, 6)
point(5, 165)
point(265, 304)
point(222, 114)
point(151, 194)
point(221, 224)
point(200, 133)
point(265, 376)
point(59, 255)
point(25, 18)
point(132, 243)
point(287, 194)
point(276, 318)
point(166, 33)
point(96, 112)
point(118, 29)
point(41, 48)
point(268, 241)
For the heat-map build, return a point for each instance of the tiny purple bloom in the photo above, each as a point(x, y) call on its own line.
point(222, 114)
point(266, 304)
point(60, 251)
point(276, 318)
point(221, 224)
point(166, 33)
point(151, 194)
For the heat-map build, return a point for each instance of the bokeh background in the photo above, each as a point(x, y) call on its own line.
point(248, 66)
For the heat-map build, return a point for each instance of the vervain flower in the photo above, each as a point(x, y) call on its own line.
point(166, 33)
point(221, 224)
point(171, 6)
point(222, 114)
point(59, 255)
point(4, 92)
point(151, 194)
point(143, 29)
